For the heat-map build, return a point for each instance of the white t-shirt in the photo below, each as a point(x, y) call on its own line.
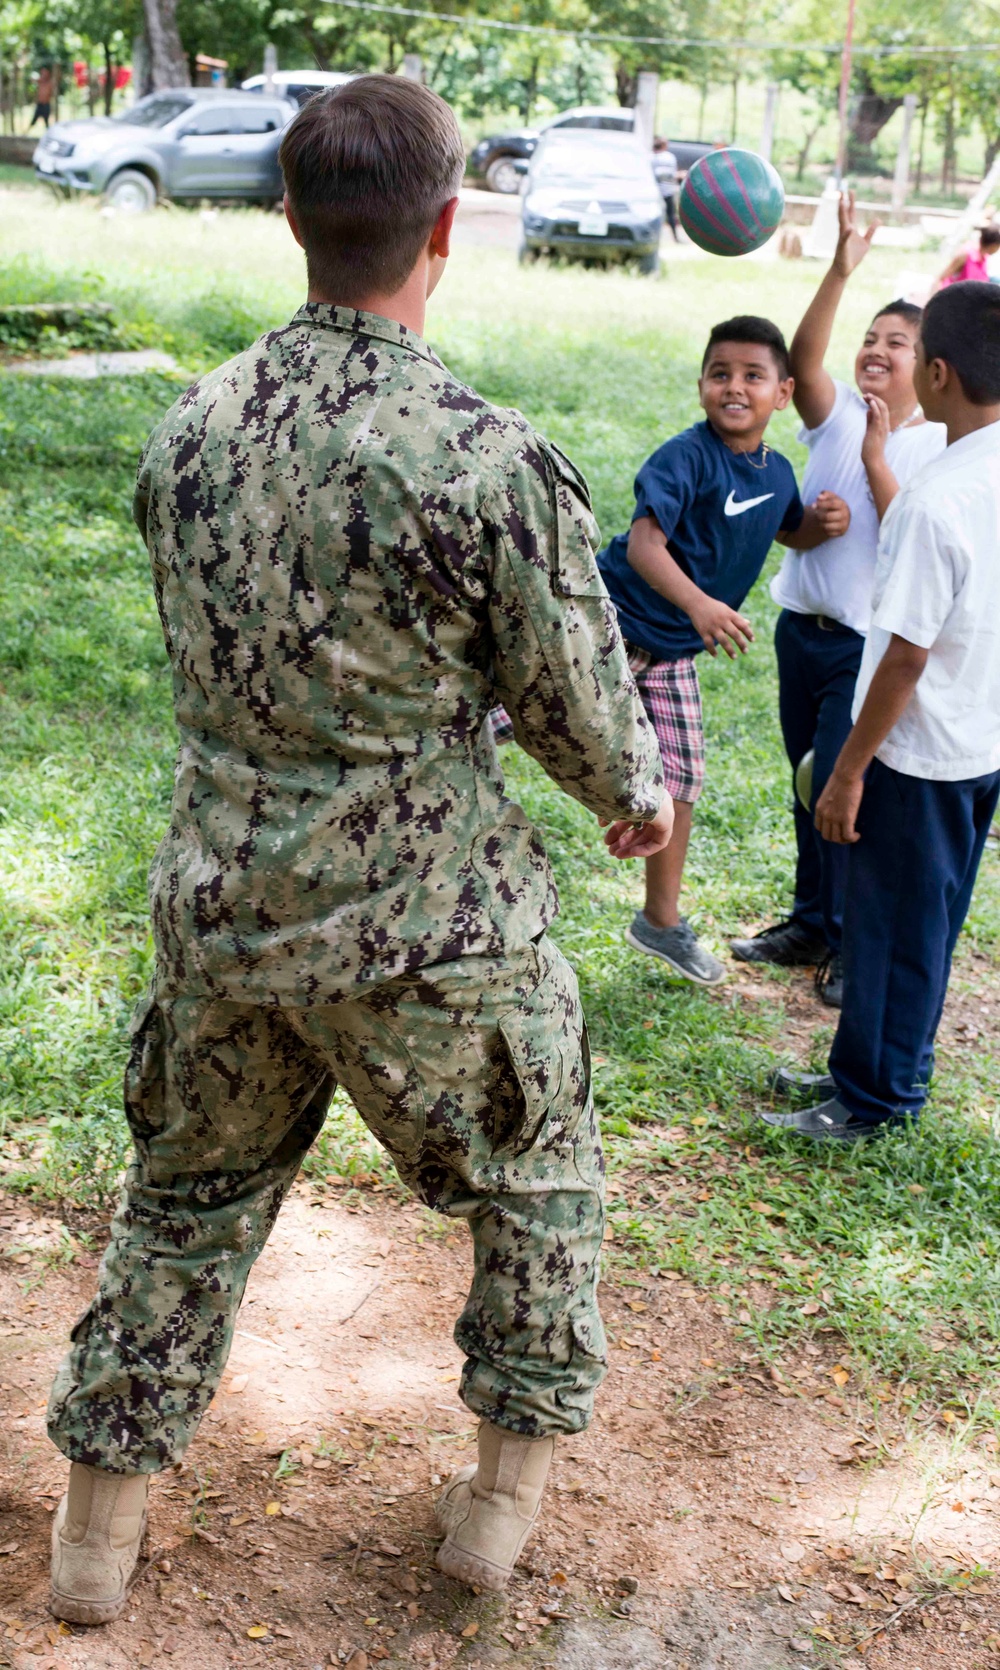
point(937, 584)
point(835, 578)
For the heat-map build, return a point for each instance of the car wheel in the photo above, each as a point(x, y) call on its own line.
point(650, 264)
point(130, 192)
point(526, 255)
point(502, 176)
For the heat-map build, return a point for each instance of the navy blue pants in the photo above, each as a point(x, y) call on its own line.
point(909, 883)
point(817, 672)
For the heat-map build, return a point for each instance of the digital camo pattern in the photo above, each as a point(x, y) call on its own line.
point(355, 557)
point(476, 1079)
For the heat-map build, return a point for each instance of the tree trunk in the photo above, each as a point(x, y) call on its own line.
point(109, 79)
point(530, 86)
point(626, 86)
point(318, 46)
point(948, 166)
point(868, 117)
point(803, 157)
point(701, 108)
point(919, 176)
point(734, 116)
point(168, 60)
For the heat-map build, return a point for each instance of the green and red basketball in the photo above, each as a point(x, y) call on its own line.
point(731, 202)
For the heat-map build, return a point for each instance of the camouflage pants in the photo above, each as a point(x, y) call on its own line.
point(474, 1076)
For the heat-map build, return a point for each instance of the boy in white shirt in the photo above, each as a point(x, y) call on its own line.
point(915, 786)
point(864, 447)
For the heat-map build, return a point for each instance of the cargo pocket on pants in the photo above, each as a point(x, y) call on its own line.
point(528, 1085)
point(144, 1089)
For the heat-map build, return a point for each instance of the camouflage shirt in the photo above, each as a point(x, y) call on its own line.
point(355, 557)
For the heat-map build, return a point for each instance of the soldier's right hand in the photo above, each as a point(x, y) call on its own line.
point(625, 839)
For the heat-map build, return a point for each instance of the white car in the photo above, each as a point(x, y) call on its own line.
point(297, 85)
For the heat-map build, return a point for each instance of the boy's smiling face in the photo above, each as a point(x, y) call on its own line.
point(885, 363)
point(739, 389)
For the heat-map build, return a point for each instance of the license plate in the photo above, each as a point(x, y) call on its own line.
point(46, 165)
point(593, 226)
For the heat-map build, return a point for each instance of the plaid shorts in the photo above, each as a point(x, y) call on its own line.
point(672, 699)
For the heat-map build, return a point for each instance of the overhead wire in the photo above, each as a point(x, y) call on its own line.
point(471, 20)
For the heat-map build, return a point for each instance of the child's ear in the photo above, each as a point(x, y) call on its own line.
point(786, 388)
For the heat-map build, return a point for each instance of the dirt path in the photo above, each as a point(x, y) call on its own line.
point(711, 1518)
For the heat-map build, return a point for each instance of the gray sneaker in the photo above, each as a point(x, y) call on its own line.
point(678, 947)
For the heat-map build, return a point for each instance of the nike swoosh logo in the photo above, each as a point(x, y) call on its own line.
point(734, 509)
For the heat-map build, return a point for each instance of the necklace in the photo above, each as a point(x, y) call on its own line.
point(914, 415)
point(764, 450)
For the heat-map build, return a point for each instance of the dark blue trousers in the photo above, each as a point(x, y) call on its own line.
point(817, 672)
point(909, 883)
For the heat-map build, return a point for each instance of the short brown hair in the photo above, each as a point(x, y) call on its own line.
point(368, 169)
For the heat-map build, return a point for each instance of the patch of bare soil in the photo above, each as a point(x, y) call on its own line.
point(715, 1517)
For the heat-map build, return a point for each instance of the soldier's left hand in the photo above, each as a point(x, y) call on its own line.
point(626, 839)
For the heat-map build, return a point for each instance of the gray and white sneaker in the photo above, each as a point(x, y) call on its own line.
point(678, 947)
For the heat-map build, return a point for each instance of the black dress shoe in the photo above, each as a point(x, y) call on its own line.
point(787, 1081)
point(785, 944)
point(830, 980)
point(828, 1121)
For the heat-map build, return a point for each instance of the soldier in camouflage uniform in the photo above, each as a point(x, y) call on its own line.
point(354, 558)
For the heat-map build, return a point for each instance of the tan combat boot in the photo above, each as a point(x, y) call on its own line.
point(95, 1543)
point(487, 1512)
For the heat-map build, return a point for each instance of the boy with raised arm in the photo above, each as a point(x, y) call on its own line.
point(863, 446)
point(708, 505)
point(913, 791)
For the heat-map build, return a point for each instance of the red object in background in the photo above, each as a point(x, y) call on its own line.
point(123, 75)
point(81, 74)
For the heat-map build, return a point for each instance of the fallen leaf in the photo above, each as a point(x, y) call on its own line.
point(800, 1644)
point(558, 1577)
point(9, 1548)
point(357, 1661)
point(241, 1519)
point(469, 1631)
point(786, 1594)
point(237, 1384)
point(840, 1376)
point(257, 1632)
point(636, 1304)
point(915, 1189)
point(811, 1309)
point(272, 1509)
point(407, 1583)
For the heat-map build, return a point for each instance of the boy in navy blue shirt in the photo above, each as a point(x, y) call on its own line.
point(709, 504)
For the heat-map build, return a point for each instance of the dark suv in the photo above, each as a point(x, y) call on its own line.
point(495, 159)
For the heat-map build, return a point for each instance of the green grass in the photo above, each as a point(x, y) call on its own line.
point(896, 1245)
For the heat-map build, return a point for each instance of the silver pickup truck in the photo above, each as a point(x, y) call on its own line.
point(183, 143)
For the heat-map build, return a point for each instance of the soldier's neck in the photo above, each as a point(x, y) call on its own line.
point(406, 306)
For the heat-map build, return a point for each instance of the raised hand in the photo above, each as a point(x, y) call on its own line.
point(877, 430)
point(852, 245)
